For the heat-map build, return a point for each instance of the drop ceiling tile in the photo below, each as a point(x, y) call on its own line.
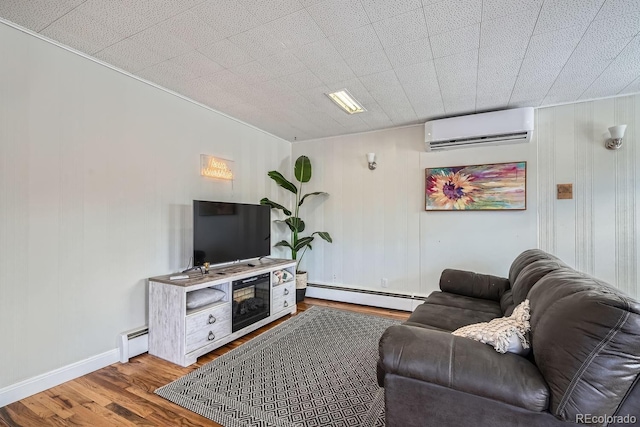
point(115, 16)
point(555, 46)
point(428, 108)
point(493, 101)
point(252, 72)
point(558, 14)
point(316, 95)
point(457, 72)
point(619, 74)
point(618, 7)
point(409, 53)
point(402, 116)
point(633, 87)
point(282, 64)
point(518, 25)
point(338, 16)
point(369, 63)
point(268, 10)
point(166, 74)
point(129, 55)
point(301, 80)
point(498, 77)
point(401, 29)
point(419, 77)
point(448, 15)
point(509, 50)
point(158, 10)
point(611, 28)
point(226, 54)
point(161, 42)
point(464, 104)
point(534, 81)
point(390, 98)
point(356, 42)
point(227, 79)
point(379, 80)
point(36, 14)
point(456, 41)
point(295, 30)
point(383, 9)
point(492, 9)
point(227, 17)
point(196, 63)
point(191, 29)
point(318, 54)
point(258, 42)
point(335, 72)
point(82, 33)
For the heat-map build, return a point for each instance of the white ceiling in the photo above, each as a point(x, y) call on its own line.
point(270, 62)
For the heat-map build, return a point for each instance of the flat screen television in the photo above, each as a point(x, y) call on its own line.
point(225, 232)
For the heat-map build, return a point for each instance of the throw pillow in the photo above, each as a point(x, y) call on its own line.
point(201, 297)
point(505, 334)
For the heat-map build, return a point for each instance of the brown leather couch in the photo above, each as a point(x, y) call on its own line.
point(584, 364)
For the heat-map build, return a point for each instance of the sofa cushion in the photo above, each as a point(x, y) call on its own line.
point(530, 275)
point(585, 337)
point(446, 318)
point(462, 364)
point(468, 283)
point(526, 258)
point(461, 301)
point(506, 303)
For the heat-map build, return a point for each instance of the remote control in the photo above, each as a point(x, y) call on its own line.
point(181, 276)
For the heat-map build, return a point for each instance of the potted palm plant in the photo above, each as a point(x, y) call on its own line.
point(298, 244)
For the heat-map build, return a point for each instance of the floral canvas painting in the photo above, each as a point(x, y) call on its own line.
point(500, 186)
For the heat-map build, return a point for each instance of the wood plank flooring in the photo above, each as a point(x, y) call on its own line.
point(122, 394)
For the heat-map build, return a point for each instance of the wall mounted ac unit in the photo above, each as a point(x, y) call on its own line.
point(478, 130)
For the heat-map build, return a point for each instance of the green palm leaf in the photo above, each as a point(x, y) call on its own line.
point(282, 181)
point(302, 169)
point(317, 193)
point(275, 205)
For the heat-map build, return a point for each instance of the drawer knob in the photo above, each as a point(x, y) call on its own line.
point(212, 319)
point(211, 336)
point(286, 304)
point(286, 291)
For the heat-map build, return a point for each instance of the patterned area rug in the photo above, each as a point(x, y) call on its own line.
point(316, 369)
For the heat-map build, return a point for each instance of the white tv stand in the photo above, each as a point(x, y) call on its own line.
point(180, 335)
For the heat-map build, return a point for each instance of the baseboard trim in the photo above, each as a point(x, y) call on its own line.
point(364, 297)
point(45, 381)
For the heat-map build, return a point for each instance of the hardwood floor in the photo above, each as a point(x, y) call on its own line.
point(122, 394)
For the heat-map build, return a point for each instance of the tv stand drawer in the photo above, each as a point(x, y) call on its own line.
point(284, 297)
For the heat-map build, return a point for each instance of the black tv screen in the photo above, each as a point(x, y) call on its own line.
point(224, 232)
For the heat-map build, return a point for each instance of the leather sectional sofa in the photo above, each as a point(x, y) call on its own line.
point(584, 364)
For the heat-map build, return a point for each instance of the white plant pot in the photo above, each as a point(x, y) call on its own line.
point(301, 280)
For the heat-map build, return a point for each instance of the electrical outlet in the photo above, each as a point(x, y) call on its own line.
point(335, 277)
point(384, 282)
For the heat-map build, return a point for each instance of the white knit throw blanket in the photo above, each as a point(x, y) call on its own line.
point(498, 332)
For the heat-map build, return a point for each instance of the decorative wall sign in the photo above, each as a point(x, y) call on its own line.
point(499, 186)
point(565, 191)
point(215, 167)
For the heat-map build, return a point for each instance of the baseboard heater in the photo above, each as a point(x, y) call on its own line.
point(133, 343)
point(390, 300)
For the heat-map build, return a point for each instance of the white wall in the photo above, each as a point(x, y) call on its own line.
point(598, 230)
point(378, 219)
point(97, 174)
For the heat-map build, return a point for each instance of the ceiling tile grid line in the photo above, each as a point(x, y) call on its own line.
point(271, 63)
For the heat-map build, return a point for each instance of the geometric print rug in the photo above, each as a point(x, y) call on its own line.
point(316, 369)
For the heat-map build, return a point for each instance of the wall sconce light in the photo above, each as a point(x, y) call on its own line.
point(371, 158)
point(617, 133)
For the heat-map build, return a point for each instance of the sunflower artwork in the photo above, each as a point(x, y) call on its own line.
point(500, 186)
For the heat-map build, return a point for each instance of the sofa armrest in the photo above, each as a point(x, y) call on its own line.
point(472, 284)
point(462, 364)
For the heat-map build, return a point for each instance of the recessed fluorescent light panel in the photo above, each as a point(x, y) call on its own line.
point(345, 101)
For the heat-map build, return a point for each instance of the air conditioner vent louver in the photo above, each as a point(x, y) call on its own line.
point(494, 128)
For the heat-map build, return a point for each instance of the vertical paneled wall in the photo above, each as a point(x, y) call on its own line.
point(373, 216)
point(598, 230)
point(97, 175)
point(378, 218)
